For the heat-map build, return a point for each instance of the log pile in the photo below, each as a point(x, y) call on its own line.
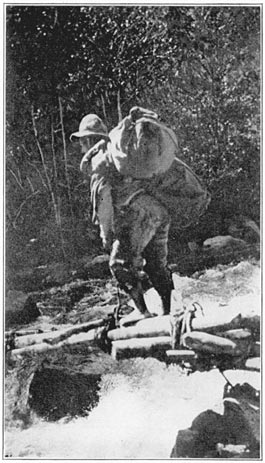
point(224, 333)
point(85, 333)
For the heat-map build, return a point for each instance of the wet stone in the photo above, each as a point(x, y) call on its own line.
point(59, 392)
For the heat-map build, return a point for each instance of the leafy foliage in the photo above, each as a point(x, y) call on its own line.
point(198, 67)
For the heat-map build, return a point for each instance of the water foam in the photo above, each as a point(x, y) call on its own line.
point(140, 411)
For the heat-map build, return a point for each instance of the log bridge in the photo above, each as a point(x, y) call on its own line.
point(181, 339)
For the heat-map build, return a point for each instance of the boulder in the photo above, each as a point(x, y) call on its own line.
point(20, 308)
point(244, 228)
point(93, 267)
point(253, 364)
point(236, 433)
point(219, 243)
point(58, 392)
point(242, 412)
point(233, 451)
point(206, 431)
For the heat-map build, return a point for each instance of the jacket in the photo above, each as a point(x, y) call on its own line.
point(178, 189)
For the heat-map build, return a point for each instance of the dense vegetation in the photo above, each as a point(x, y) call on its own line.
point(198, 67)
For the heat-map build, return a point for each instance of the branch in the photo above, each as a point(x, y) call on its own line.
point(53, 151)
point(30, 184)
point(16, 178)
point(103, 106)
point(119, 105)
point(65, 158)
point(41, 177)
point(57, 218)
point(21, 206)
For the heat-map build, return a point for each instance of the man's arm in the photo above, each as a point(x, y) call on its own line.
point(105, 214)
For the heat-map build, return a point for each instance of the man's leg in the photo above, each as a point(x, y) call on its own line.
point(156, 265)
point(126, 274)
point(135, 228)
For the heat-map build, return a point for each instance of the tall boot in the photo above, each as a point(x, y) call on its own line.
point(137, 295)
point(165, 294)
point(163, 283)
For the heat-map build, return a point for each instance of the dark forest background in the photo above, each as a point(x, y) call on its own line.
point(197, 67)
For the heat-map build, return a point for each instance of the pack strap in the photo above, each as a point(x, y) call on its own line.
point(132, 197)
point(182, 324)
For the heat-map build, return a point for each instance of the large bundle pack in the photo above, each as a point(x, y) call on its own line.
point(143, 148)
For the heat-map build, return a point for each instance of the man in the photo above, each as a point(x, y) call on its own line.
point(134, 225)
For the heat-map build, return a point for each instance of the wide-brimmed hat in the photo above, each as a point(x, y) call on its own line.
point(91, 125)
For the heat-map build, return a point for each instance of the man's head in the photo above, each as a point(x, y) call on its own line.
point(91, 130)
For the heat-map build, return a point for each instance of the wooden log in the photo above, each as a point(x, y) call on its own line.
point(141, 347)
point(54, 337)
point(32, 339)
point(81, 338)
point(82, 328)
point(177, 356)
point(242, 337)
point(26, 332)
point(236, 335)
point(33, 349)
point(209, 343)
point(150, 327)
point(219, 321)
point(223, 321)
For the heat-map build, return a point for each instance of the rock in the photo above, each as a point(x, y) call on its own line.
point(255, 351)
point(96, 267)
point(198, 258)
point(62, 383)
point(244, 228)
point(242, 412)
point(55, 274)
point(206, 431)
point(243, 420)
point(41, 277)
point(233, 451)
point(68, 383)
point(20, 308)
point(253, 364)
point(186, 444)
point(235, 433)
point(220, 242)
point(58, 392)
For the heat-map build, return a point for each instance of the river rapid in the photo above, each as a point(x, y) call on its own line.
point(144, 403)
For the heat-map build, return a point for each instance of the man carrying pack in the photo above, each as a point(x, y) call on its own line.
point(131, 187)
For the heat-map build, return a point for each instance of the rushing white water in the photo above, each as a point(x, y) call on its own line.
point(138, 416)
point(143, 403)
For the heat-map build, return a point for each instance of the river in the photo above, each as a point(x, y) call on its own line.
point(144, 403)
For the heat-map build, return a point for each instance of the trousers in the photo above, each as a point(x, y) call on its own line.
point(141, 247)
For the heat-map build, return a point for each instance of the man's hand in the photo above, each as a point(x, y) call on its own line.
point(85, 165)
point(107, 244)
